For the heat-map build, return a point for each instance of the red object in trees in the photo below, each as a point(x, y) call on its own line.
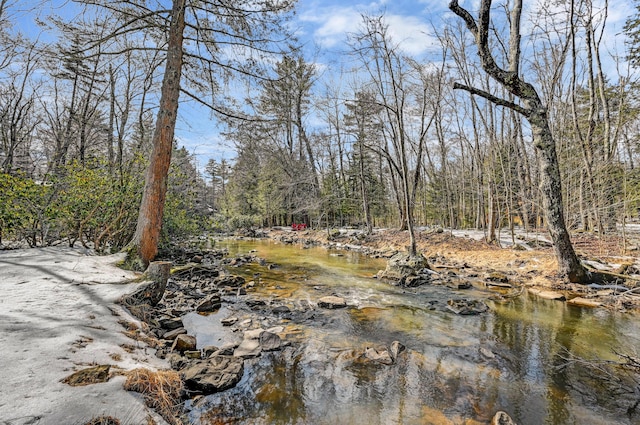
point(298, 226)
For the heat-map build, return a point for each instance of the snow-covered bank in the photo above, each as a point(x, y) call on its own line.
point(57, 315)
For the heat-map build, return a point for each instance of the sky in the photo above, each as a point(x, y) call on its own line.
point(323, 27)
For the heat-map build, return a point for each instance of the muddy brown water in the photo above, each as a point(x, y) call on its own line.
point(525, 356)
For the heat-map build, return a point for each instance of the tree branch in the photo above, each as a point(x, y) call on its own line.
point(466, 17)
point(494, 99)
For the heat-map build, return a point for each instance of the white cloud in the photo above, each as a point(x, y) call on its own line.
point(333, 24)
point(411, 34)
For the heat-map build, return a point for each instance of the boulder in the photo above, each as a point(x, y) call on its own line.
point(254, 303)
point(227, 349)
point(402, 264)
point(497, 277)
point(177, 361)
point(270, 341)
point(212, 375)
point(248, 348)
point(184, 342)
point(250, 345)
point(332, 302)
point(209, 350)
point(170, 323)
point(212, 303)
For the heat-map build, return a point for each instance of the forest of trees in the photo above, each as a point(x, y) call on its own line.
point(383, 140)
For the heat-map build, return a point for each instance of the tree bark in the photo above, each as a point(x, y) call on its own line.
point(144, 245)
point(550, 184)
point(151, 292)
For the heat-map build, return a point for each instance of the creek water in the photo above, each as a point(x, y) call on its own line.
point(524, 356)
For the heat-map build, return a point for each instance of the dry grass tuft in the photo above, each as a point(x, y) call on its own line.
point(161, 389)
point(88, 376)
point(103, 420)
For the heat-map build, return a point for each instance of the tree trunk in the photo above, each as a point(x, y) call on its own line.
point(568, 263)
point(144, 245)
point(152, 291)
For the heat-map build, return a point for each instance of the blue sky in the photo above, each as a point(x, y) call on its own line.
point(323, 26)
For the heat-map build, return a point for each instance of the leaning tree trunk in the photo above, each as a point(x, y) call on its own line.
point(550, 185)
point(144, 246)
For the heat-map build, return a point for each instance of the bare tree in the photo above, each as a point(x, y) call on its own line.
point(532, 108)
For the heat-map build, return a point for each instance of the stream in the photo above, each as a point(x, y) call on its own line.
point(523, 356)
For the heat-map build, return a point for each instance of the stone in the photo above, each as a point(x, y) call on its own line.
point(177, 361)
point(170, 323)
point(253, 333)
point(212, 375)
point(498, 280)
point(232, 281)
point(487, 353)
point(378, 356)
point(402, 264)
point(195, 354)
point(502, 418)
point(548, 295)
point(248, 348)
point(212, 303)
point(209, 350)
point(281, 309)
point(229, 321)
point(464, 285)
point(255, 303)
point(395, 349)
point(270, 341)
point(414, 281)
point(584, 302)
point(171, 335)
point(184, 342)
point(227, 349)
point(250, 345)
point(499, 284)
point(467, 307)
point(332, 302)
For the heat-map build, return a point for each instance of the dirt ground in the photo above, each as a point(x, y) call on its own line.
point(529, 262)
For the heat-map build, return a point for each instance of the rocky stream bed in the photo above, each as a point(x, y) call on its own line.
point(250, 323)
